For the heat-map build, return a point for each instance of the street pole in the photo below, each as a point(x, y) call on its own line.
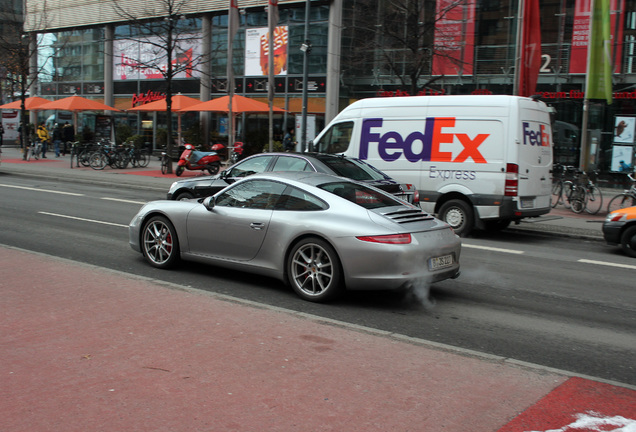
point(306, 48)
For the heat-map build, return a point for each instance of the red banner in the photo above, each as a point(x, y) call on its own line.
point(454, 38)
point(581, 35)
point(530, 61)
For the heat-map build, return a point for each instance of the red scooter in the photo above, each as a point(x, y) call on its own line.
point(197, 160)
point(237, 152)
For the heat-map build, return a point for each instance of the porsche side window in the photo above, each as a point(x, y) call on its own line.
point(257, 194)
point(250, 166)
point(336, 139)
point(295, 199)
point(288, 163)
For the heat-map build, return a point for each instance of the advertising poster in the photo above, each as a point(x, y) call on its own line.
point(581, 34)
point(622, 158)
point(624, 128)
point(257, 51)
point(134, 59)
point(454, 38)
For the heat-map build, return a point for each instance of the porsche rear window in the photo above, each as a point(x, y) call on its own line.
point(364, 196)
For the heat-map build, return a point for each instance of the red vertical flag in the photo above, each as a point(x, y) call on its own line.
point(530, 46)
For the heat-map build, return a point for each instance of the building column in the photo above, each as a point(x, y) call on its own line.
point(206, 74)
point(334, 47)
point(109, 34)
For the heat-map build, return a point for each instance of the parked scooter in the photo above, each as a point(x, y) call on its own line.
point(237, 152)
point(196, 160)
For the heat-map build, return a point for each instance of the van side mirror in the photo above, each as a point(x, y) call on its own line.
point(208, 203)
point(223, 174)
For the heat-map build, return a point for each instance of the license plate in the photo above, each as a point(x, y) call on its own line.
point(527, 203)
point(437, 263)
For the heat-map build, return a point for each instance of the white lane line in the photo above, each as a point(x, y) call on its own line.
point(609, 264)
point(493, 249)
point(41, 190)
point(123, 200)
point(84, 220)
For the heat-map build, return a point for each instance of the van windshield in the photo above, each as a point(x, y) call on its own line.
point(336, 139)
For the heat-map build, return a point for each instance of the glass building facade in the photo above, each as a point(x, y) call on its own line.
point(382, 50)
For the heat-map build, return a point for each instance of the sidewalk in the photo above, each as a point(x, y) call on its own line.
point(84, 348)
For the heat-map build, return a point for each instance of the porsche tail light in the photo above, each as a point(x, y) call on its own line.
point(387, 239)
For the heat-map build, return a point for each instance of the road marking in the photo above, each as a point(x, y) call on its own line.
point(493, 249)
point(41, 190)
point(609, 264)
point(84, 220)
point(123, 200)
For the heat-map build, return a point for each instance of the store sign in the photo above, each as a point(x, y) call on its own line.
point(144, 98)
point(581, 34)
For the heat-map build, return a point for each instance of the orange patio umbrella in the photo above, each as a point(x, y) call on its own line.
point(76, 104)
point(31, 103)
point(179, 102)
point(240, 104)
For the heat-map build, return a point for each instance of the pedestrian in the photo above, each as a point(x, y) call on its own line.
point(288, 141)
point(1, 135)
point(57, 139)
point(44, 137)
point(68, 136)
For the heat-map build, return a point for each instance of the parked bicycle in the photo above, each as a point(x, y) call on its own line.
point(34, 151)
point(625, 199)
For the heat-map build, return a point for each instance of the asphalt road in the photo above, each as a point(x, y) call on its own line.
point(552, 301)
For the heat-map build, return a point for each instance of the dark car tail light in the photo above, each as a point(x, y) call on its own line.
point(387, 239)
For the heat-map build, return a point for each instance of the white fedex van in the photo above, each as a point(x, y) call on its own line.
point(477, 161)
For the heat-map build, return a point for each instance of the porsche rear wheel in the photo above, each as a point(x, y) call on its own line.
point(314, 270)
point(159, 242)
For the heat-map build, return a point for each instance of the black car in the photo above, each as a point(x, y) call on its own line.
point(330, 164)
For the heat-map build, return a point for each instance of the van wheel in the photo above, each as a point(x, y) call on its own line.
point(628, 241)
point(459, 215)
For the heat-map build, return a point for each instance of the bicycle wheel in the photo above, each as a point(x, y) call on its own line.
point(557, 193)
point(567, 193)
point(143, 159)
point(620, 201)
point(98, 161)
point(594, 200)
point(84, 158)
point(577, 199)
point(164, 164)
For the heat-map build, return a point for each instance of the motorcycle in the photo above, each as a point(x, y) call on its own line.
point(237, 152)
point(196, 160)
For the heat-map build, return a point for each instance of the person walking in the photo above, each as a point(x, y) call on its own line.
point(57, 139)
point(288, 141)
point(1, 135)
point(68, 136)
point(44, 137)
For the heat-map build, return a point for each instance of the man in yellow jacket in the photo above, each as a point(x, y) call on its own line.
point(43, 136)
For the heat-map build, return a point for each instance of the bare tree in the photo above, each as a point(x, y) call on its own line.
point(167, 37)
point(396, 38)
point(19, 60)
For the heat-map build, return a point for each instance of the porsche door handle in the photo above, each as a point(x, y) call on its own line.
point(257, 225)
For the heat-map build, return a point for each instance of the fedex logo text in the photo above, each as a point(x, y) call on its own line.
point(392, 145)
point(536, 137)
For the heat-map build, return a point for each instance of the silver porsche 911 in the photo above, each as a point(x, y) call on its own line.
point(320, 233)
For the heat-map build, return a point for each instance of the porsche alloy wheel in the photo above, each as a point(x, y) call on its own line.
point(314, 271)
point(159, 242)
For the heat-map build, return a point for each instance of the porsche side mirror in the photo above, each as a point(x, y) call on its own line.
point(208, 203)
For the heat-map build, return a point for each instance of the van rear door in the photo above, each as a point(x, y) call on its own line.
point(534, 155)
